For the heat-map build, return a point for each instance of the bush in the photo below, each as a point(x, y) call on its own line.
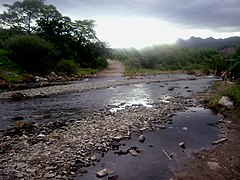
point(9, 71)
point(101, 62)
point(31, 53)
point(67, 66)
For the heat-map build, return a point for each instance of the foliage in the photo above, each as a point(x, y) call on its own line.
point(235, 68)
point(101, 62)
point(10, 71)
point(221, 89)
point(50, 38)
point(166, 58)
point(31, 53)
point(67, 66)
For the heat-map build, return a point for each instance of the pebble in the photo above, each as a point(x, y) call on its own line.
point(102, 173)
point(69, 146)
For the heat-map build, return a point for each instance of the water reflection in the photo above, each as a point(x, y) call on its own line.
point(139, 95)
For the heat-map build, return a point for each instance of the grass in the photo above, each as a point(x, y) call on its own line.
point(86, 71)
point(225, 89)
point(131, 71)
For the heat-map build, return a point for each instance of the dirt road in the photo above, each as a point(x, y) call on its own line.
point(114, 69)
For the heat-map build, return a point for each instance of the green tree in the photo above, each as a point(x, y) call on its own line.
point(31, 53)
point(22, 15)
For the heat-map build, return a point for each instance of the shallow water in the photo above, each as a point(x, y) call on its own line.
point(73, 106)
point(190, 127)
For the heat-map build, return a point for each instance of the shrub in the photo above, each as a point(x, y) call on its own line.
point(67, 66)
point(31, 53)
point(101, 62)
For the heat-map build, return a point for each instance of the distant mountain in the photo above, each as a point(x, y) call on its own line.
point(217, 44)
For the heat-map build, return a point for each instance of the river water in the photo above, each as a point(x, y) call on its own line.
point(72, 106)
point(190, 126)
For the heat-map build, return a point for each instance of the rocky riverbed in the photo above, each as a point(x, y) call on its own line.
point(61, 150)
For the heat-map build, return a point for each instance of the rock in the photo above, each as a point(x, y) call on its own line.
point(115, 146)
point(226, 102)
point(133, 152)
point(141, 138)
point(171, 88)
point(117, 138)
point(185, 128)
point(49, 175)
point(102, 173)
point(182, 145)
point(41, 135)
point(94, 158)
point(219, 141)
point(161, 126)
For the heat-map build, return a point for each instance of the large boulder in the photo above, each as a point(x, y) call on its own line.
point(226, 102)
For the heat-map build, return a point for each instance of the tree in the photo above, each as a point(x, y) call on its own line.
point(84, 31)
point(32, 53)
point(22, 15)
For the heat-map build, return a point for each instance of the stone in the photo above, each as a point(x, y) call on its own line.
point(102, 173)
point(141, 138)
point(117, 138)
point(219, 141)
point(115, 146)
point(49, 175)
point(161, 126)
point(171, 88)
point(225, 101)
point(185, 128)
point(182, 145)
point(94, 158)
point(133, 152)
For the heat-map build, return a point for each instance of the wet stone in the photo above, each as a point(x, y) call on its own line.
point(133, 152)
point(102, 173)
point(182, 145)
point(141, 138)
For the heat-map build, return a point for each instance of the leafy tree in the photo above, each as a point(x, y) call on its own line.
point(22, 16)
point(31, 53)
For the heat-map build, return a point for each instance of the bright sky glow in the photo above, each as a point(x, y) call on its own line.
point(142, 32)
point(140, 23)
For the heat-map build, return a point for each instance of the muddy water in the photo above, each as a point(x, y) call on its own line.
point(190, 127)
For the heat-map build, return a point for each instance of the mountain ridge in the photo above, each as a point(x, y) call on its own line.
point(210, 42)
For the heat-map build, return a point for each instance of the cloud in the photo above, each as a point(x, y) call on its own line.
point(215, 14)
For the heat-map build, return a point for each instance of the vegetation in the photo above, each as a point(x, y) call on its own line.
point(171, 58)
point(38, 38)
point(222, 89)
point(10, 71)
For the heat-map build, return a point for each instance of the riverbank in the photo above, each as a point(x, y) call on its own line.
point(221, 162)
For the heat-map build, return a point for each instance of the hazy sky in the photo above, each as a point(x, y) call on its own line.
point(138, 23)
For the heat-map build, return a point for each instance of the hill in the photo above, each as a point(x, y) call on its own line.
point(217, 44)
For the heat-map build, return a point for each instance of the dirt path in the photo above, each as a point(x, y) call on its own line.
point(114, 69)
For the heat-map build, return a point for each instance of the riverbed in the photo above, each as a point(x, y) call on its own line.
point(69, 124)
